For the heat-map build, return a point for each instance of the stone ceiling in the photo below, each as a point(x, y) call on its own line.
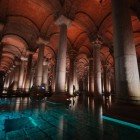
point(32, 18)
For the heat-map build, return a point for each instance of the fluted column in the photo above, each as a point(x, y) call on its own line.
point(60, 90)
point(91, 77)
point(127, 76)
point(97, 68)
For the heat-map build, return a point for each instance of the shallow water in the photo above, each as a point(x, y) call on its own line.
point(21, 119)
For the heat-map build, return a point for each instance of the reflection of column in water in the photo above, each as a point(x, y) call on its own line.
point(61, 127)
point(98, 116)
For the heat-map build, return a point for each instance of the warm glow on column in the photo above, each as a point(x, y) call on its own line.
point(21, 74)
point(71, 89)
point(39, 67)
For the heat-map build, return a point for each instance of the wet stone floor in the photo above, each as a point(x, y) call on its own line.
point(21, 119)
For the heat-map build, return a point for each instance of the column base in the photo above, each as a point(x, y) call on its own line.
point(60, 98)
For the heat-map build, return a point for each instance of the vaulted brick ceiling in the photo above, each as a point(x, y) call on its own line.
point(89, 18)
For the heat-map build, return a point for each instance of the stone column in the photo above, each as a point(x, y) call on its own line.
point(39, 67)
point(53, 78)
point(127, 75)
point(21, 73)
point(2, 75)
point(105, 78)
point(45, 74)
point(61, 60)
point(91, 77)
point(32, 77)
point(97, 68)
point(71, 72)
point(16, 76)
point(60, 94)
point(1, 50)
point(28, 75)
point(113, 81)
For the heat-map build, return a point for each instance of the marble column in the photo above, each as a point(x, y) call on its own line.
point(105, 78)
point(61, 60)
point(91, 77)
point(45, 74)
point(76, 83)
point(28, 75)
point(32, 77)
point(127, 75)
point(60, 91)
point(1, 50)
point(39, 67)
point(76, 78)
point(21, 73)
point(2, 75)
point(53, 78)
point(71, 73)
point(97, 69)
point(16, 76)
point(112, 82)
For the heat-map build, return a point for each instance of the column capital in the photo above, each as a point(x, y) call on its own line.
point(24, 58)
point(63, 20)
point(45, 62)
point(97, 43)
point(42, 41)
point(16, 63)
point(29, 52)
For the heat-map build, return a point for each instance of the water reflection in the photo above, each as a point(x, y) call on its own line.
point(39, 120)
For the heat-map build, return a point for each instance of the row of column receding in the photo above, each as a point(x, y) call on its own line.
point(126, 69)
point(24, 75)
